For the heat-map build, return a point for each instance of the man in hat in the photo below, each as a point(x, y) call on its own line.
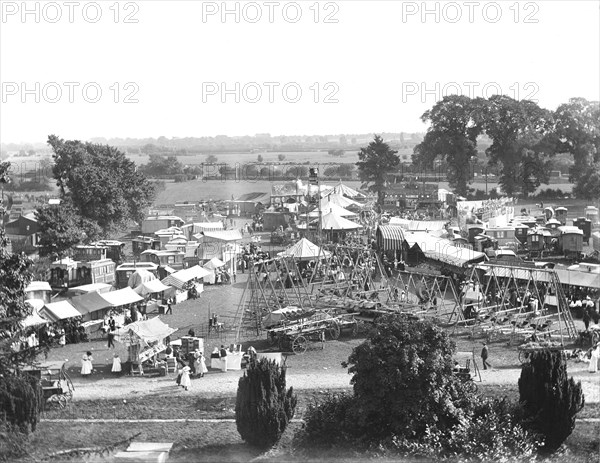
point(484, 357)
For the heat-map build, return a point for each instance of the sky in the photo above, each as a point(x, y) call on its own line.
point(154, 68)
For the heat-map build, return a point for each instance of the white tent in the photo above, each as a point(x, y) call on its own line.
point(60, 310)
point(345, 190)
point(180, 278)
point(330, 207)
point(140, 276)
point(304, 250)
point(338, 200)
point(213, 264)
point(331, 221)
point(151, 287)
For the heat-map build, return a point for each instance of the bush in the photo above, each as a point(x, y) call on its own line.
point(326, 422)
point(550, 398)
point(13, 443)
point(263, 407)
point(21, 400)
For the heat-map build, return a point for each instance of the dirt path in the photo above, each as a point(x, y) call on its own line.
point(216, 383)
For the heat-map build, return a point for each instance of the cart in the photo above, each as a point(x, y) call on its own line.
point(466, 369)
point(298, 336)
point(56, 384)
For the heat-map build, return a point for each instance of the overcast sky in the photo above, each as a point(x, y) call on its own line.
point(164, 68)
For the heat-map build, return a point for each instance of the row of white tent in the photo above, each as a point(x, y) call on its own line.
point(141, 284)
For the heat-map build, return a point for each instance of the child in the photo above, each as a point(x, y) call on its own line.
point(185, 378)
point(116, 366)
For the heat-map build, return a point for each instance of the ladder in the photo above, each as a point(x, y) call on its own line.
point(563, 305)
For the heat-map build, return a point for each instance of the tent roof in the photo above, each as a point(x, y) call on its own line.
point(224, 235)
point(442, 249)
point(198, 227)
point(140, 276)
point(38, 286)
point(91, 287)
point(60, 310)
point(147, 330)
point(178, 279)
point(213, 264)
point(339, 200)
point(331, 207)
point(390, 237)
point(331, 221)
point(152, 286)
point(565, 276)
point(304, 249)
point(122, 297)
point(33, 320)
point(90, 302)
point(418, 225)
point(345, 190)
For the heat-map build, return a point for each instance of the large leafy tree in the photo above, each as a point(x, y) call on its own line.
point(162, 165)
point(588, 184)
point(101, 183)
point(452, 136)
point(520, 133)
point(61, 227)
point(20, 396)
point(375, 162)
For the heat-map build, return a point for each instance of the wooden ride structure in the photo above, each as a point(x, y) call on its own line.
point(502, 305)
point(272, 284)
point(425, 294)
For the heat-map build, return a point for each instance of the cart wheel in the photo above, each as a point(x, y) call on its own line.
point(299, 345)
point(333, 331)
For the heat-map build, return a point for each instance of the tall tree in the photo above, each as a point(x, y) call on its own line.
point(588, 184)
point(101, 183)
point(376, 161)
point(456, 122)
point(577, 126)
point(20, 396)
point(520, 133)
point(61, 228)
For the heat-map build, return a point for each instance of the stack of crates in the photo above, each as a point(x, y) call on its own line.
point(190, 344)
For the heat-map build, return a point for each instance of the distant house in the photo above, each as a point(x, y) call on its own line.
point(160, 222)
point(23, 234)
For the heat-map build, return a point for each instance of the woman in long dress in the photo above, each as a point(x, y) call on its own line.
point(86, 364)
point(593, 367)
point(185, 378)
point(116, 366)
point(201, 365)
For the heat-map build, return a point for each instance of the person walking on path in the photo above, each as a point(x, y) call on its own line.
point(586, 318)
point(223, 355)
point(185, 378)
point(593, 366)
point(169, 310)
point(111, 339)
point(484, 357)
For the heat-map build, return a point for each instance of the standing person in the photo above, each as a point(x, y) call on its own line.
point(62, 340)
point(185, 378)
point(223, 356)
point(586, 318)
point(484, 357)
point(111, 339)
point(201, 364)
point(593, 367)
point(116, 366)
point(86, 364)
point(169, 308)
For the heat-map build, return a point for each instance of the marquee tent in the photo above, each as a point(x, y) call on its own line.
point(331, 221)
point(330, 207)
point(148, 331)
point(345, 190)
point(338, 200)
point(89, 303)
point(61, 310)
point(304, 250)
point(180, 278)
point(389, 237)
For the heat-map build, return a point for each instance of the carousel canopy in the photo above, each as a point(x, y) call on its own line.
point(338, 200)
point(140, 276)
point(330, 207)
point(178, 279)
point(345, 190)
point(331, 221)
point(60, 310)
point(304, 249)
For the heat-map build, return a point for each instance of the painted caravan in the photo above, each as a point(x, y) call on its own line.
point(503, 235)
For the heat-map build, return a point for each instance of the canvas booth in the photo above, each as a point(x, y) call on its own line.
point(144, 341)
point(183, 281)
point(212, 266)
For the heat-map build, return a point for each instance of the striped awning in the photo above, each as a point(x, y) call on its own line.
point(389, 237)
